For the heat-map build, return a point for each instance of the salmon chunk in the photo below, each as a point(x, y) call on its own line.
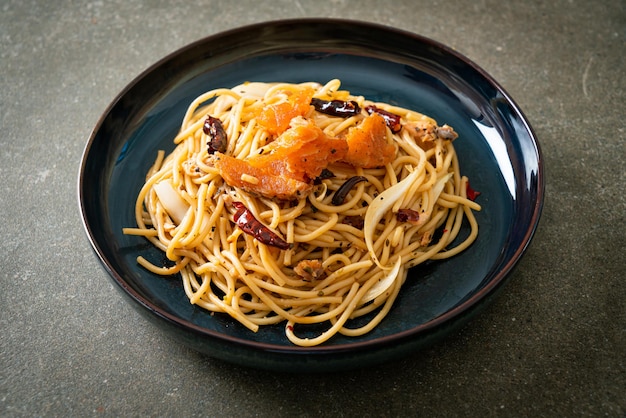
point(286, 167)
point(275, 118)
point(367, 143)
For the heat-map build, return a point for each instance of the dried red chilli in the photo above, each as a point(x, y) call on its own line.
point(471, 193)
point(252, 226)
point(355, 221)
point(391, 119)
point(344, 189)
point(217, 140)
point(407, 215)
point(340, 108)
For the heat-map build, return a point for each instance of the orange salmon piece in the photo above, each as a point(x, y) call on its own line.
point(367, 143)
point(275, 118)
point(301, 152)
point(287, 165)
point(235, 171)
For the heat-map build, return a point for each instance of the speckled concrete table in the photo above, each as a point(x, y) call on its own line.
point(553, 343)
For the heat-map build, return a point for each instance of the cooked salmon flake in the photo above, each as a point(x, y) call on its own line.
point(367, 143)
point(288, 165)
point(275, 118)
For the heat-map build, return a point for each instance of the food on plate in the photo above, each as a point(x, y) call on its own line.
point(303, 204)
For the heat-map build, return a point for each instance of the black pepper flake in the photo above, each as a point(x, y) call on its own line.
point(325, 174)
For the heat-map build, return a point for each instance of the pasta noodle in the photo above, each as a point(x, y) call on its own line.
point(303, 204)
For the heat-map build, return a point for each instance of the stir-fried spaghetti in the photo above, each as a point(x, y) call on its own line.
point(302, 204)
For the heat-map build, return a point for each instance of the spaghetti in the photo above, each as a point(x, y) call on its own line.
point(302, 204)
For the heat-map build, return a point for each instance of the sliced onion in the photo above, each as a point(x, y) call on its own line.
point(380, 206)
point(380, 287)
point(172, 202)
point(438, 187)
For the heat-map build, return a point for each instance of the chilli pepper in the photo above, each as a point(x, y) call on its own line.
point(407, 215)
point(217, 135)
point(471, 193)
point(344, 189)
point(336, 107)
point(251, 225)
point(391, 119)
point(355, 221)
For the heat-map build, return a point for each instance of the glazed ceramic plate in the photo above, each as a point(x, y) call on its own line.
point(496, 148)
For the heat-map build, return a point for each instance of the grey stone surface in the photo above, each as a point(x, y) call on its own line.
point(553, 343)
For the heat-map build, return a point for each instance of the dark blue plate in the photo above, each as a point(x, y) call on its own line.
point(496, 146)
